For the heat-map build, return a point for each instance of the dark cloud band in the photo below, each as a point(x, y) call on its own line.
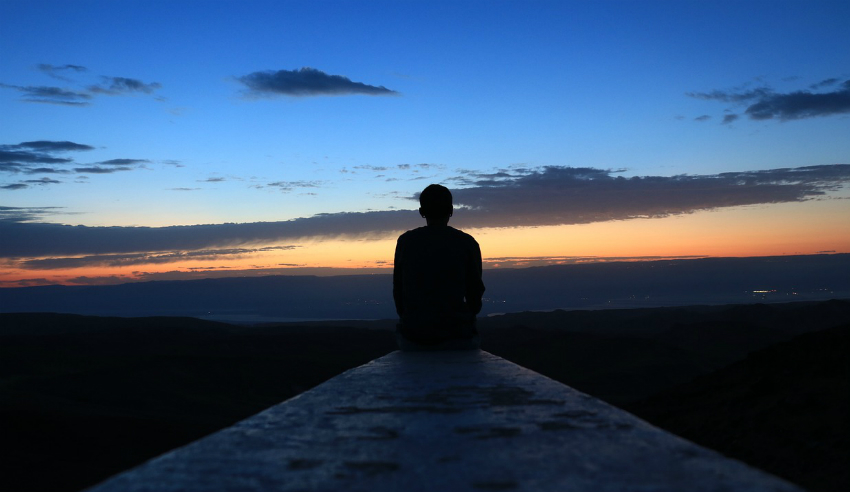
point(505, 198)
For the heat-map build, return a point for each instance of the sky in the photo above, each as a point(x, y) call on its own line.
point(145, 140)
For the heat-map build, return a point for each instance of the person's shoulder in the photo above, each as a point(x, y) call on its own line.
point(462, 235)
point(411, 234)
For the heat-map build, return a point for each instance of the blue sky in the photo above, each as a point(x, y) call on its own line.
point(640, 89)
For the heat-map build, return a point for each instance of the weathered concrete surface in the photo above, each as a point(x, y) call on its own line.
point(447, 421)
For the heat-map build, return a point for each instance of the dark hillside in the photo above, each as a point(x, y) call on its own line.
point(625, 355)
point(784, 409)
point(85, 397)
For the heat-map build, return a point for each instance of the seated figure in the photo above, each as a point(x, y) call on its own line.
point(437, 284)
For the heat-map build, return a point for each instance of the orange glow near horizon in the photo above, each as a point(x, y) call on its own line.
point(771, 230)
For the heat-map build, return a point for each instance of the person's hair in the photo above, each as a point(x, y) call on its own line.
point(435, 202)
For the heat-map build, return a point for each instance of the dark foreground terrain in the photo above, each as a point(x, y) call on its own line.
point(82, 398)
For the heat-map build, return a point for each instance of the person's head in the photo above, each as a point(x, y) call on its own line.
point(435, 202)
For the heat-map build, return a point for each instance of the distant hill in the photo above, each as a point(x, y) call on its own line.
point(785, 408)
point(708, 281)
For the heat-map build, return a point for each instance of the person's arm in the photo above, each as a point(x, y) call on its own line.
point(398, 295)
point(474, 284)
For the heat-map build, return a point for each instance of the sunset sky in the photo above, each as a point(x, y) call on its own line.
point(185, 139)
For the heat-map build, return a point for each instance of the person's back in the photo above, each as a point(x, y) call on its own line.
point(437, 283)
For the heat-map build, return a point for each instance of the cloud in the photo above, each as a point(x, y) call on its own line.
point(763, 103)
point(287, 186)
point(42, 181)
point(101, 170)
point(53, 146)
point(704, 117)
point(563, 195)
point(120, 260)
point(307, 82)
point(24, 156)
point(801, 104)
point(50, 95)
point(31, 157)
point(118, 86)
point(729, 118)
point(513, 197)
point(45, 170)
point(123, 162)
point(732, 96)
point(824, 83)
point(81, 95)
point(532, 261)
point(25, 214)
point(56, 71)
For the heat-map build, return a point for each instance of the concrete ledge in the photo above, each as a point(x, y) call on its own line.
point(447, 421)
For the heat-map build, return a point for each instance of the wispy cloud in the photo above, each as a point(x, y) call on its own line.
point(42, 181)
point(118, 86)
point(81, 95)
point(101, 170)
point(123, 162)
point(29, 156)
point(48, 157)
point(119, 260)
point(50, 95)
point(26, 214)
point(287, 186)
point(307, 82)
point(53, 146)
point(531, 261)
point(763, 103)
point(513, 197)
point(825, 83)
point(58, 71)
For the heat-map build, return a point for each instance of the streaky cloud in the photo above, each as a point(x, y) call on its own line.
point(307, 82)
point(51, 95)
point(123, 162)
point(825, 83)
point(119, 260)
point(55, 71)
point(101, 170)
point(25, 214)
point(117, 86)
point(42, 181)
point(518, 197)
point(763, 103)
point(23, 157)
point(53, 146)
point(801, 104)
point(45, 170)
point(729, 118)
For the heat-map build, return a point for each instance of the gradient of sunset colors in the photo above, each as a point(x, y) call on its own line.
point(190, 139)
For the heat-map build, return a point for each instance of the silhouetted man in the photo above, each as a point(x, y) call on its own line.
point(437, 284)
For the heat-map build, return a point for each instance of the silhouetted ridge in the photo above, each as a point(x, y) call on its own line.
point(783, 408)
